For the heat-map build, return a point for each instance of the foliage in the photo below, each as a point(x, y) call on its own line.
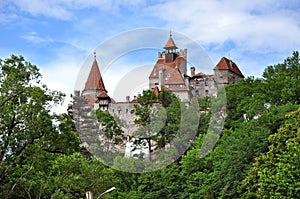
point(275, 174)
point(158, 117)
point(110, 128)
point(256, 155)
point(38, 151)
point(283, 81)
point(27, 127)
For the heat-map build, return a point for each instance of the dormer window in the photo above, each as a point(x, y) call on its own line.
point(206, 81)
point(230, 64)
point(103, 102)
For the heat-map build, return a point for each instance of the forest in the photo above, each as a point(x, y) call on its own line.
point(256, 155)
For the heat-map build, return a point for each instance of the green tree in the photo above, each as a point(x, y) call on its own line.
point(30, 135)
point(85, 122)
point(158, 117)
point(275, 174)
point(110, 128)
point(283, 81)
point(72, 175)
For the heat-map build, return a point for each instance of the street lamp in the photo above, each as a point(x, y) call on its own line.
point(106, 192)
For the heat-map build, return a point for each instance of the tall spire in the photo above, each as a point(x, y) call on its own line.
point(94, 81)
point(170, 45)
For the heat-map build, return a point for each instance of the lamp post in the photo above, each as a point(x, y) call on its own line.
point(106, 192)
point(89, 194)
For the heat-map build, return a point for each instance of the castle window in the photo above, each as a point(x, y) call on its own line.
point(197, 81)
point(206, 92)
point(206, 81)
point(197, 92)
point(127, 110)
point(175, 86)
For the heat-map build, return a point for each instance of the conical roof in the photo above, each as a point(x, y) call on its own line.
point(95, 81)
point(170, 45)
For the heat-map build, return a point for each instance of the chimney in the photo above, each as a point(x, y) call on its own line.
point(161, 78)
point(76, 93)
point(159, 55)
point(187, 81)
point(127, 98)
point(192, 71)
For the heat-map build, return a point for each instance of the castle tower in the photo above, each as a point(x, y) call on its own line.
point(226, 72)
point(170, 69)
point(94, 90)
point(170, 48)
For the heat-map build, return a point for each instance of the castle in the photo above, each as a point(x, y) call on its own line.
point(169, 73)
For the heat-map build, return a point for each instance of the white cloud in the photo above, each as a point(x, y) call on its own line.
point(64, 9)
point(49, 8)
point(34, 37)
point(262, 26)
point(256, 26)
point(60, 75)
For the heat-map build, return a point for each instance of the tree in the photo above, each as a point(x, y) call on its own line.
point(85, 122)
point(71, 176)
point(110, 128)
point(275, 174)
point(158, 118)
point(283, 81)
point(106, 142)
point(29, 133)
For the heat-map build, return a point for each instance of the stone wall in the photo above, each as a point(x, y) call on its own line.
point(123, 111)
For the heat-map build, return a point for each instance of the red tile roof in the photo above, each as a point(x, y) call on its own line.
point(170, 45)
point(156, 90)
point(172, 74)
point(94, 81)
point(103, 95)
point(226, 64)
point(162, 63)
point(200, 74)
point(134, 101)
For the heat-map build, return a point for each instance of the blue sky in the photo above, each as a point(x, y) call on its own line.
point(60, 35)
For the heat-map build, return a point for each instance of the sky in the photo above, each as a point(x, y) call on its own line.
point(60, 36)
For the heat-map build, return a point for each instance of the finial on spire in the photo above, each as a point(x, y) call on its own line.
point(170, 33)
point(95, 54)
